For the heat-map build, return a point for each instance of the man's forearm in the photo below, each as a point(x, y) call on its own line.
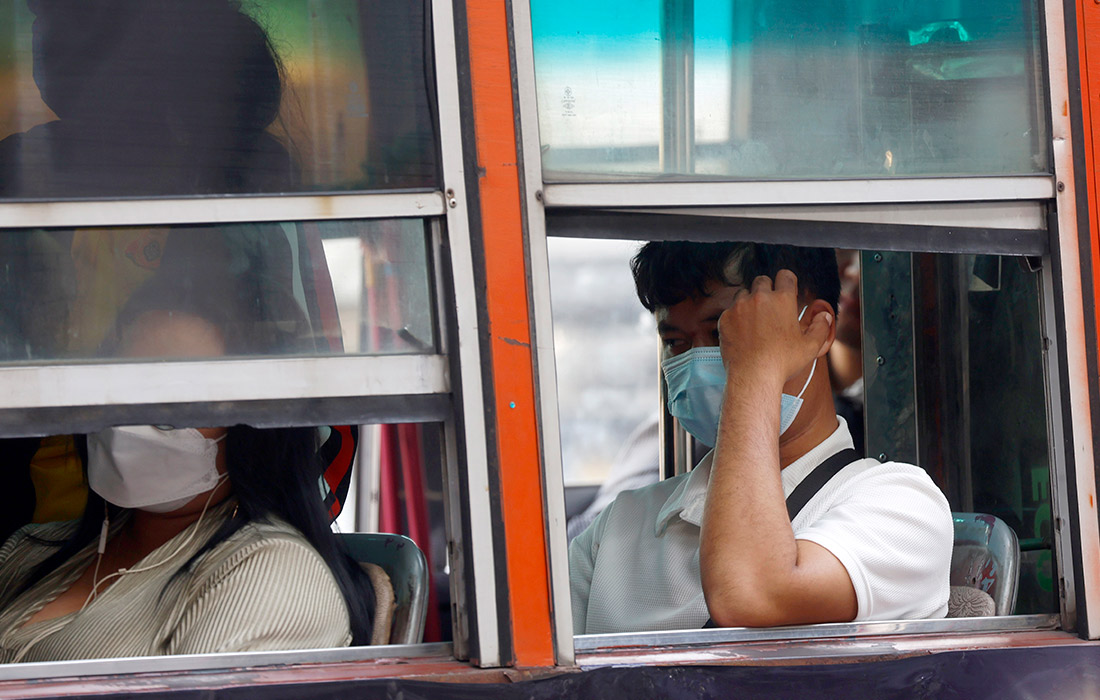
point(747, 547)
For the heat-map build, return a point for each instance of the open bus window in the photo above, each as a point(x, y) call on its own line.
point(788, 89)
point(281, 288)
point(939, 365)
point(155, 97)
point(606, 371)
point(161, 541)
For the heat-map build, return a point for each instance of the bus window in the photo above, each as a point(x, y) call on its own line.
point(941, 366)
point(71, 289)
point(183, 529)
point(201, 293)
point(606, 368)
point(143, 98)
point(953, 379)
point(779, 89)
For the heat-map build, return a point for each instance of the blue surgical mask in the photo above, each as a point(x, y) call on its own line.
point(696, 382)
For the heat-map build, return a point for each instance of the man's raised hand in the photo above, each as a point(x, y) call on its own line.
point(760, 333)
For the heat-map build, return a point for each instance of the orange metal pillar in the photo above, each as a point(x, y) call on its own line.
point(510, 332)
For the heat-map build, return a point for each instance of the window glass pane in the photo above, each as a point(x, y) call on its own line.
point(246, 561)
point(156, 97)
point(788, 88)
point(954, 378)
point(606, 360)
point(936, 362)
point(261, 289)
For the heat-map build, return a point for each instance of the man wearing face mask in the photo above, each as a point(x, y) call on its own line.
point(781, 523)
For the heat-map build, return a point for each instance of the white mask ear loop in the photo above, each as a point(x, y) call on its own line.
point(807, 384)
point(122, 572)
point(813, 367)
point(100, 549)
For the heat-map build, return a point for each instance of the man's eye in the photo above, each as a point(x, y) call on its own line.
point(671, 343)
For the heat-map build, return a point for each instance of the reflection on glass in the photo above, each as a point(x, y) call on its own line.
point(787, 88)
point(274, 289)
point(158, 97)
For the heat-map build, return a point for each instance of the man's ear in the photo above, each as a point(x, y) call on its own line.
point(816, 307)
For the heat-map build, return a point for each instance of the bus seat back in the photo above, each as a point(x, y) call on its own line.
point(986, 556)
point(407, 568)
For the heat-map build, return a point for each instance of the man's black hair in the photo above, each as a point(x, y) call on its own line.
point(668, 272)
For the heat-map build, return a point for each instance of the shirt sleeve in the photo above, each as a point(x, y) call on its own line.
point(893, 533)
point(277, 594)
point(12, 543)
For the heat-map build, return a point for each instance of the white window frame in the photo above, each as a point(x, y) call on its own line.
point(454, 372)
point(1008, 204)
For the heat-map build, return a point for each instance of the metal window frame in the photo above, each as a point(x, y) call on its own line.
point(123, 383)
point(1064, 293)
point(1006, 214)
point(479, 561)
point(417, 387)
point(589, 643)
point(800, 192)
point(44, 670)
point(220, 210)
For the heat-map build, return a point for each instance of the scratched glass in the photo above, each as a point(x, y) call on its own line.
point(313, 288)
point(110, 98)
point(788, 89)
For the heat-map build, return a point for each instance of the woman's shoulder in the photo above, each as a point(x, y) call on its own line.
point(34, 536)
point(26, 548)
point(274, 545)
point(273, 585)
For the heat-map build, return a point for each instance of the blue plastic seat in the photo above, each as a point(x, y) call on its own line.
point(407, 568)
point(986, 556)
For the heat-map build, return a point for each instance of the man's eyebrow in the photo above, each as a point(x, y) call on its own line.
point(666, 327)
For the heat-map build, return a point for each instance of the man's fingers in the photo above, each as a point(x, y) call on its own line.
point(786, 281)
point(762, 283)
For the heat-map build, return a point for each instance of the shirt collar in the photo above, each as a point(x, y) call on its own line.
point(689, 497)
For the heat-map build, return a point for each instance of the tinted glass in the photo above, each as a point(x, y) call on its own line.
point(111, 98)
point(787, 88)
point(263, 289)
point(954, 381)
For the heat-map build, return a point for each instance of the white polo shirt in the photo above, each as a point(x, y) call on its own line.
point(636, 568)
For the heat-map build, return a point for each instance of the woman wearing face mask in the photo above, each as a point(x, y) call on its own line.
point(194, 540)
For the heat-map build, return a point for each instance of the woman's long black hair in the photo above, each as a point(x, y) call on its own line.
point(274, 472)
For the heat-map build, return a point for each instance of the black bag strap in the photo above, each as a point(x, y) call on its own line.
point(809, 487)
point(817, 479)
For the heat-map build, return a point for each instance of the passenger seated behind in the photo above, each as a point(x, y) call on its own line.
point(742, 340)
point(216, 539)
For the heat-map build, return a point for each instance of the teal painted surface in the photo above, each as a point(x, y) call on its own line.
point(795, 89)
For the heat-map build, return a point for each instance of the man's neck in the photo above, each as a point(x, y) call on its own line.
point(803, 436)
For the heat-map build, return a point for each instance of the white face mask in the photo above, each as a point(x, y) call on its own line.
point(151, 469)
